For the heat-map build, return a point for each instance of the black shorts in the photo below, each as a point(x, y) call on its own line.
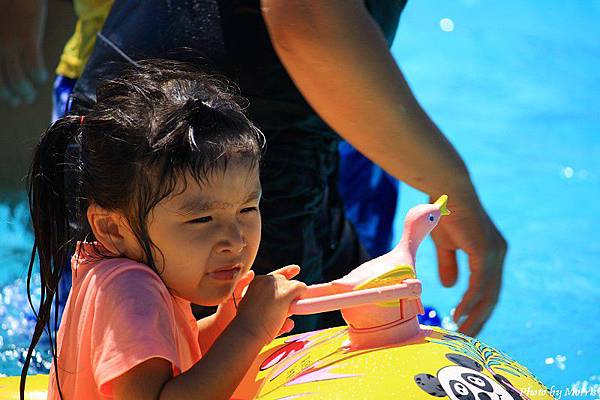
point(303, 217)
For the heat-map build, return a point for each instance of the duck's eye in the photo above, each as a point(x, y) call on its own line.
point(431, 217)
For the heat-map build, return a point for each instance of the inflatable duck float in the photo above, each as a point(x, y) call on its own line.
point(383, 352)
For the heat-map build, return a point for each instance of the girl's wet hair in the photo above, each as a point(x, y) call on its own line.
point(155, 124)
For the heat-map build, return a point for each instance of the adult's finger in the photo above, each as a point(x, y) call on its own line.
point(447, 264)
point(34, 64)
point(484, 289)
point(447, 267)
point(473, 324)
point(446, 247)
point(472, 296)
point(17, 79)
point(491, 299)
point(6, 93)
point(288, 271)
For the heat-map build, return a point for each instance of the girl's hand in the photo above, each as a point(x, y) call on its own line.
point(228, 310)
point(264, 310)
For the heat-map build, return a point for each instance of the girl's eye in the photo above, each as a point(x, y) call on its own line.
point(431, 217)
point(249, 209)
point(201, 220)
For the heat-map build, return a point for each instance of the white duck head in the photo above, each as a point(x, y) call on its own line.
point(418, 223)
point(399, 263)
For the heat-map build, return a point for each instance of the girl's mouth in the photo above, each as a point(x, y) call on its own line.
point(228, 273)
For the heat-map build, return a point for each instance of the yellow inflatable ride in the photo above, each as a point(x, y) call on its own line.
point(383, 352)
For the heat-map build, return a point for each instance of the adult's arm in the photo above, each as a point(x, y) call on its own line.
point(340, 61)
point(22, 63)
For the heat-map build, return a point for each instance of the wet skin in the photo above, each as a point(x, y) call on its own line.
point(208, 235)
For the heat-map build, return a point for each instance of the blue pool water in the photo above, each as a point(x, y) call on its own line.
point(515, 86)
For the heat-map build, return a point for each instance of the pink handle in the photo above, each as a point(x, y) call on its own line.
point(409, 289)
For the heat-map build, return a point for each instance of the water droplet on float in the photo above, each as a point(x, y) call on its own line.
point(567, 172)
point(549, 361)
point(446, 24)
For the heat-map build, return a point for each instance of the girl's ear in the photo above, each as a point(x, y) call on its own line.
point(110, 228)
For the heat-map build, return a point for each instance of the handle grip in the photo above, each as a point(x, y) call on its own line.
point(408, 289)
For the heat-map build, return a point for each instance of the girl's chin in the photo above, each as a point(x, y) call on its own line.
point(214, 299)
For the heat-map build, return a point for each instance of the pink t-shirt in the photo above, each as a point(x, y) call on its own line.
point(118, 315)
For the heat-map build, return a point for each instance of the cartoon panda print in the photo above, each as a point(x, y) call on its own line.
point(464, 381)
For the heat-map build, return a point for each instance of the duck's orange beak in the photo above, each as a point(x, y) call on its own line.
point(442, 204)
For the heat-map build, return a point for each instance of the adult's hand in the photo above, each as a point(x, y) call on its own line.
point(22, 63)
point(470, 229)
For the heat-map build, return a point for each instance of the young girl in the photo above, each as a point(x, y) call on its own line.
point(156, 192)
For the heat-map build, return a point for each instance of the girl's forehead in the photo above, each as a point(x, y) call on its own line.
point(236, 172)
point(222, 188)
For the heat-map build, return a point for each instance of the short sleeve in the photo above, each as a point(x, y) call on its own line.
point(133, 322)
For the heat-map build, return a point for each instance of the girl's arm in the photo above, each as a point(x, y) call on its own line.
point(340, 61)
point(211, 327)
point(208, 331)
point(261, 314)
point(215, 376)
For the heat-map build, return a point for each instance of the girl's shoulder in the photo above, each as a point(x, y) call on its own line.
point(121, 268)
point(120, 279)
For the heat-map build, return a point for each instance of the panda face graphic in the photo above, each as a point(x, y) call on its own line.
point(462, 383)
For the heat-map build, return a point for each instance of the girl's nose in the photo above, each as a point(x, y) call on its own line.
point(233, 241)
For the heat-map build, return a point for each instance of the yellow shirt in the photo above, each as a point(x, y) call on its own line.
point(91, 16)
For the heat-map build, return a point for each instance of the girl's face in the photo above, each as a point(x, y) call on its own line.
point(208, 234)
